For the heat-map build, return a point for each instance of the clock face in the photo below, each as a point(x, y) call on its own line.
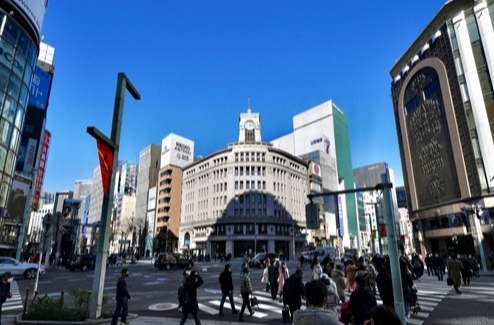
point(250, 125)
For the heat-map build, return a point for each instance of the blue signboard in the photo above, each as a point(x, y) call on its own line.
point(40, 88)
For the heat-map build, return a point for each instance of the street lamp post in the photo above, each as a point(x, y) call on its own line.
point(109, 147)
point(477, 231)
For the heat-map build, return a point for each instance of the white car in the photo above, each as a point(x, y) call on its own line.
point(28, 270)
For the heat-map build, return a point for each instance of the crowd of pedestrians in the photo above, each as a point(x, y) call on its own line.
point(324, 294)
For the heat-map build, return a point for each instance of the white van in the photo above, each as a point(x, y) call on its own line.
point(322, 252)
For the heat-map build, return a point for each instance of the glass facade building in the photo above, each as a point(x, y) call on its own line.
point(18, 54)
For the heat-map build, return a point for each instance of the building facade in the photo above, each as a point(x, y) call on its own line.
point(147, 178)
point(321, 135)
point(176, 153)
point(247, 198)
point(444, 110)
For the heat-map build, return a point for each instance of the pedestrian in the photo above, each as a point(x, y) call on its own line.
point(339, 278)
point(313, 262)
point(123, 297)
point(383, 315)
point(466, 272)
point(418, 266)
point(362, 300)
point(428, 263)
point(438, 263)
point(245, 292)
point(454, 272)
point(293, 292)
point(350, 275)
point(194, 281)
point(226, 284)
point(316, 271)
point(5, 293)
point(406, 285)
point(273, 279)
point(316, 295)
point(475, 265)
point(265, 275)
point(283, 275)
point(385, 287)
point(333, 300)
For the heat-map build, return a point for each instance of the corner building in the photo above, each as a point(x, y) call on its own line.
point(247, 198)
point(444, 109)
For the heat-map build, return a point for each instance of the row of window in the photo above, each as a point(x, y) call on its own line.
point(250, 171)
point(250, 185)
point(250, 156)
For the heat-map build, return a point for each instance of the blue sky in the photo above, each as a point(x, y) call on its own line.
point(196, 62)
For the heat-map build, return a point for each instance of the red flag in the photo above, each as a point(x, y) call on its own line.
point(105, 154)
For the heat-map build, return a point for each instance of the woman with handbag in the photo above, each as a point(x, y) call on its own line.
point(283, 275)
point(245, 291)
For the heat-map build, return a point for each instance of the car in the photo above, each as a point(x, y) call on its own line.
point(260, 259)
point(82, 262)
point(28, 270)
point(169, 260)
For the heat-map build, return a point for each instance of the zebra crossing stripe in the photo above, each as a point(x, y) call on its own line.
point(208, 310)
point(257, 314)
point(15, 302)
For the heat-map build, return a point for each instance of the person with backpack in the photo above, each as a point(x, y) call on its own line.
point(418, 266)
point(333, 299)
point(293, 292)
point(245, 292)
point(188, 297)
point(226, 284)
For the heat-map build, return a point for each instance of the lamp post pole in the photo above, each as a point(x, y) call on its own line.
point(123, 84)
point(479, 235)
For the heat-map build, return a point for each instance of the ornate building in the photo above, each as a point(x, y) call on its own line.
point(247, 198)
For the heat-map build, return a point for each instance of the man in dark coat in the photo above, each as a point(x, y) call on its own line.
point(385, 287)
point(273, 279)
point(362, 301)
point(191, 307)
point(407, 285)
point(293, 292)
point(5, 293)
point(439, 265)
point(122, 297)
point(226, 283)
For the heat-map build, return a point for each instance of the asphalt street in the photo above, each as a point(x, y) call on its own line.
point(154, 294)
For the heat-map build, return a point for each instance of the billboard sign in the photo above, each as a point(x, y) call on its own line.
point(34, 10)
point(40, 88)
point(152, 199)
point(40, 175)
point(18, 197)
point(177, 151)
point(26, 156)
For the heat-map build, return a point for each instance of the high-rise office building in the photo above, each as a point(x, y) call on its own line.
point(443, 100)
point(321, 135)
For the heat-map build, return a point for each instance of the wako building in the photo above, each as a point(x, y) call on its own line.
point(444, 109)
point(247, 198)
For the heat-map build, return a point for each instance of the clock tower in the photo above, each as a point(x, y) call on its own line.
point(249, 127)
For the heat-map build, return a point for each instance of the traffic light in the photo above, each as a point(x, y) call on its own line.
point(312, 216)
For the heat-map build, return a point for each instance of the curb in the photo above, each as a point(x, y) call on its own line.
point(19, 320)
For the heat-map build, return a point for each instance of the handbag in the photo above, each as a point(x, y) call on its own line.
point(285, 314)
point(254, 301)
point(449, 281)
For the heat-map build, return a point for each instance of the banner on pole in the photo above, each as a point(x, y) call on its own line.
point(105, 154)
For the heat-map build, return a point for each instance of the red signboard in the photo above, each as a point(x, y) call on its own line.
point(40, 175)
point(105, 154)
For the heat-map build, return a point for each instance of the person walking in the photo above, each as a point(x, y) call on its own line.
point(350, 275)
point(333, 300)
point(316, 271)
point(383, 315)
point(428, 263)
point(466, 272)
point(406, 285)
point(316, 295)
point(226, 284)
point(339, 278)
point(454, 272)
point(245, 292)
point(385, 287)
point(418, 266)
point(273, 279)
point(265, 275)
point(362, 300)
point(123, 297)
point(293, 292)
point(283, 275)
point(193, 282)
point(5, 293)
point(438, 263)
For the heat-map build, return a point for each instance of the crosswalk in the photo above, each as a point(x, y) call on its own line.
point(14, 303)
point(429, 294)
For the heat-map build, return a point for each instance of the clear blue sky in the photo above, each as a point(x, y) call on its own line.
point(196, 62)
